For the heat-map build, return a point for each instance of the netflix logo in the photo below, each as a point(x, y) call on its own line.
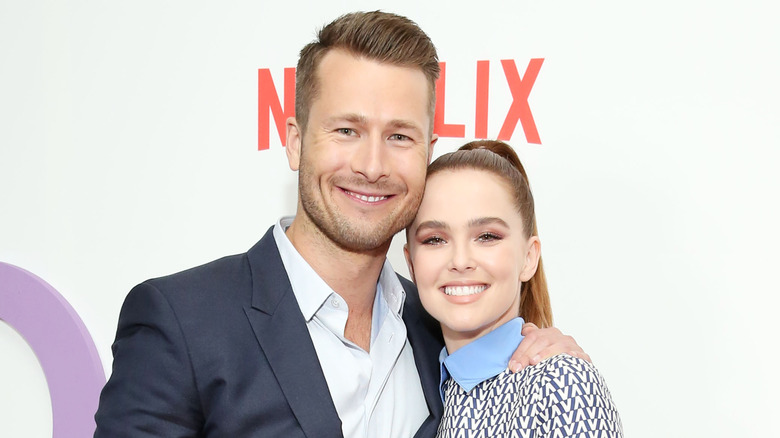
point(269, 105)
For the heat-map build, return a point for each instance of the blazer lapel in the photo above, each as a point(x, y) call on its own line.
point(282, 334)
point(424, 334)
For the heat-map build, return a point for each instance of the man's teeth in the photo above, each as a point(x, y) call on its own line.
point(367, 198)
point(464, 290)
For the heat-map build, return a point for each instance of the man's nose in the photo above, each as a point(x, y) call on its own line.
point(370, 159)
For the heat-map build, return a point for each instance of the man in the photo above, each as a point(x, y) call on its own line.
point(310, 333)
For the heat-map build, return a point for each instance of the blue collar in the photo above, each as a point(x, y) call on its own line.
point(482, 358)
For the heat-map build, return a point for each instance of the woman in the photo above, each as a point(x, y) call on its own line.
point(474, 252)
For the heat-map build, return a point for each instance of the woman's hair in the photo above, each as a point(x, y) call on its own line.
point(501, 160)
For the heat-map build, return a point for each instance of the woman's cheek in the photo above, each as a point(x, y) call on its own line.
point(426, 269)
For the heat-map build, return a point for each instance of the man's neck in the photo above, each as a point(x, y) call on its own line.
point(353, 275)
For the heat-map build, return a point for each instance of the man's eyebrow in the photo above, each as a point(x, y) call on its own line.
point(362, 120)
point(433, 224)
point(477, 222)
point(349, 117)
point(404, 124)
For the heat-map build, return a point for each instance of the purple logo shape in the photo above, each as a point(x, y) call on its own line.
point(62, 344)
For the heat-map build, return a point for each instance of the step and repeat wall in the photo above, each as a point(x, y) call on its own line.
point(141, 138)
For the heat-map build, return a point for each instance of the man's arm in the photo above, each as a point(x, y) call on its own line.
point(151, 392)
point(539, 344)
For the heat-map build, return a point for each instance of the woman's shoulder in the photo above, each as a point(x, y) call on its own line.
point(563, 371)
point(571, 395)
point(561, 364)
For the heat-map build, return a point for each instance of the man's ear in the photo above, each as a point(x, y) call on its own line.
point(434, 139)
point(531, 258)
point(294, 140)
point(408, 260)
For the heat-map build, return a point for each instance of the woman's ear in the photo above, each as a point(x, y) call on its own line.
point(531, 258)
point(408, 258)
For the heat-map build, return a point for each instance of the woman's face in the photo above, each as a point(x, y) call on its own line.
point(468, 253)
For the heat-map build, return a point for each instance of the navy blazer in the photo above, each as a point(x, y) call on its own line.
point(222, 350)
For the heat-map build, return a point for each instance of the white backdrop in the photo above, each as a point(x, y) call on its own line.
point(128, 150)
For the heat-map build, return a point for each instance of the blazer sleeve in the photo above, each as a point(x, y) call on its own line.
point(152, 391)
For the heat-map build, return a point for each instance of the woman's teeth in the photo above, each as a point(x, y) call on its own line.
point(464, 290)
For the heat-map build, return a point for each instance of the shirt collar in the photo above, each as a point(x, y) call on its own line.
point(391, 288)
point(310, 289)
point(482, 358)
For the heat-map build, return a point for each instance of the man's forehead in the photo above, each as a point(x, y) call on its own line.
point(333, 75)
point(338, 56)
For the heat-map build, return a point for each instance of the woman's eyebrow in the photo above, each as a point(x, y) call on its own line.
point(480, 221)
point(432, 224)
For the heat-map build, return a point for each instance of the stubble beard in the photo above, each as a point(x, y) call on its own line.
point(353, 235)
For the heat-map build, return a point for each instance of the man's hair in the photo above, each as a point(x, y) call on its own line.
point(378, 36)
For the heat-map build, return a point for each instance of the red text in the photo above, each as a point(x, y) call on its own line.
point(270, 105)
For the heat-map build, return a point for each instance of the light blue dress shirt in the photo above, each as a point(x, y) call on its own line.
point(376, 393)
point(483, 358)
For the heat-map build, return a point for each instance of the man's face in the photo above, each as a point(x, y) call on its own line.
point(363, 155)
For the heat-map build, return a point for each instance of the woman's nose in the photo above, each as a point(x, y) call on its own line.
point(462, 258)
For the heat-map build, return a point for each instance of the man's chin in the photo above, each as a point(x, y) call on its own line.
point(356, 234)
point(363, 242)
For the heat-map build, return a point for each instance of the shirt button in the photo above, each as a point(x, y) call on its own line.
point(335, 303)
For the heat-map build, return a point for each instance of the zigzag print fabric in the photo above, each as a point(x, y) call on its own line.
point(559, 397)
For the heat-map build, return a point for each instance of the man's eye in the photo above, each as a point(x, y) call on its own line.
point(399, 137)
point(346, 131)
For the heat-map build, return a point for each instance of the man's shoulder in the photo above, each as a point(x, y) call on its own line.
point(226, 266)
point(412, 303)
point(407, 284)
point(420, 325)
point(224, 276)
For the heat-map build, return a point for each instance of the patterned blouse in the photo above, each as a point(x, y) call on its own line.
point(562, 396)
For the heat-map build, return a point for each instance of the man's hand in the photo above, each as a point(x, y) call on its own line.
point(540, 344)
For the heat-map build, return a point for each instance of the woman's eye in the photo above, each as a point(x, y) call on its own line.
point(435, 240)
point(488, 237)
